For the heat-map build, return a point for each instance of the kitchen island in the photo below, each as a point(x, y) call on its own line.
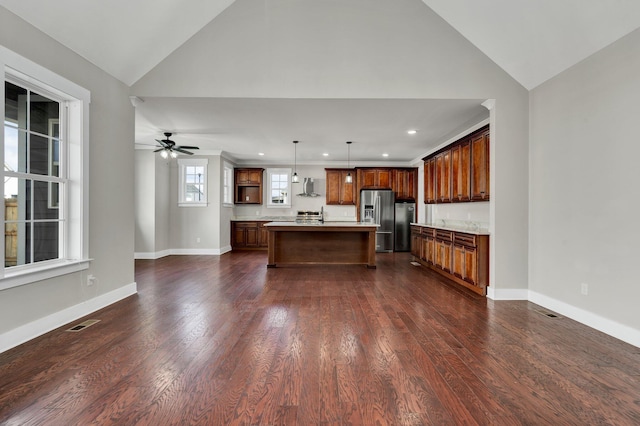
point(351, 243)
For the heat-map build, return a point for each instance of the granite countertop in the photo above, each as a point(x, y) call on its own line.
point(467, 229)
point(263, 218)
point(325, 224)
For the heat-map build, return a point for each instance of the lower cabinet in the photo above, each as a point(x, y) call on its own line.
point(249, 235)
point(461, 257)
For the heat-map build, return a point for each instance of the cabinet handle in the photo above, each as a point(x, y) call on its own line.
point(482, 192)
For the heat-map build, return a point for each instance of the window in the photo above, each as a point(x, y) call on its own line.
point(46, 121)
point(193, 182)
point(227, 184)
point(278, 187)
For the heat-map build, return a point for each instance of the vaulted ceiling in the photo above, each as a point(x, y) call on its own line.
point(532, 40)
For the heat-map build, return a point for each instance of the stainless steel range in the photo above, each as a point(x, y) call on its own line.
point(310, 217)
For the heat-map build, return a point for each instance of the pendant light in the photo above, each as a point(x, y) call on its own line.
point(295, 178)
point(349, 178)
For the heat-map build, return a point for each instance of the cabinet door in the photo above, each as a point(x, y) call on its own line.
point(238, 236)
point(384, 178)
point(430, 181)
point(480, 166)
point(458, 268)
point(348, 190)
point(252, 236)
point(333, 186)
point(255, 176)
point(460, 168)
point(443, 172)
point(241, 176)
point(471, 265)
point(416, 241)
point(367, 178)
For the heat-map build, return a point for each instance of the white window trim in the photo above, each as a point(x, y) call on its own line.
point(284, 170)
point(78, 99)
point(227, 167)
point(182, 164)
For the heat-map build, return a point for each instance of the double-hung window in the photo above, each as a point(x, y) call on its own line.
point(279, 187)
point(193, 182)
point(44, 214)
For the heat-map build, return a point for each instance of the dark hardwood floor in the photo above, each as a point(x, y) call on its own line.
point(224, 340)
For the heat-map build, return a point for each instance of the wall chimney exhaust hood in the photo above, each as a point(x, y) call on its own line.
point(307, 188)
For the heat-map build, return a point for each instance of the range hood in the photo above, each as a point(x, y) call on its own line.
point(307, 188)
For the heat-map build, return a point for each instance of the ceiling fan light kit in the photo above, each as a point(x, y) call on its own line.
point(169, 148)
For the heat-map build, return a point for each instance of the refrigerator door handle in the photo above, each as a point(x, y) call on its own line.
point(377, 210)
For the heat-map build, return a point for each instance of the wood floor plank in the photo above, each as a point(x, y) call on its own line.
point(217, 340)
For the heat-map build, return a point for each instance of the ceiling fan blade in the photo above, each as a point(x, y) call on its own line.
point(159, 149)
point(163, 143)
point(183, 151)
point(187, 147)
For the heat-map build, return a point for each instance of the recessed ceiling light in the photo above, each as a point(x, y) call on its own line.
point(261, 153)
point(325, 154)
point(385, 155)
point(412, 132)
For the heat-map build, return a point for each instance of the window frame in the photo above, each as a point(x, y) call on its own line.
point(227, 184)
point(288, 195)
point(74, 234)
point(183, 163)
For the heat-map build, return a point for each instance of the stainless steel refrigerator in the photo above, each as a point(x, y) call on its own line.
point(405, 214)
point(376, 206)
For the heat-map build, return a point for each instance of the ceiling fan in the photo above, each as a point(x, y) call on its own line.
point(169, 148)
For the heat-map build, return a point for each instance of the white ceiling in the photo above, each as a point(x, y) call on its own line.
point(532, 40)
point(244, 127)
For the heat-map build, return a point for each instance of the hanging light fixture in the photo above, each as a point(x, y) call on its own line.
point(295, 178)
point(349, 178)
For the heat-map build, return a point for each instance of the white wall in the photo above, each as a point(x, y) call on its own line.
point(31, 309)
point(584, 196)
point(399, 49)
point(145, 198)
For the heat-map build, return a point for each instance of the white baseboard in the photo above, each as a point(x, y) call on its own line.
point(36, 328)
point(607, 326)
point(507, 294)
point(151, 255)
point(179, 252)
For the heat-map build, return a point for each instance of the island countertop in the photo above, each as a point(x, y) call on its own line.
point(351, 243)
point(323, 225)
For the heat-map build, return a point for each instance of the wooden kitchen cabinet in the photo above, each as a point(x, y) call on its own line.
point(459, 256)
point(249, 176)
point(460, 168)
point(460, 171)
point(405, 184)
point(378, 178)
point(338, 191)
point(416, 241)
point(480, 166)
point(430, 181)
point(443, 176)
point(248, 186)
point(249, 235)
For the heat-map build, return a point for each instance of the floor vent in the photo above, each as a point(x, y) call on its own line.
point(82, 325)
point(415, 263)
point(548, 314)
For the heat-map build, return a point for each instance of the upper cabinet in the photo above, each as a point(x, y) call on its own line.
point(459, 172)
point(248, 186)
point(378, 178)
point(480, 166)
point(405, 184)
point(339, 192)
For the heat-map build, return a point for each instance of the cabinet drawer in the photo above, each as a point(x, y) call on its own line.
point(246, 224)
point(444, 235)
point(428, 232)
point(416, 229)
point(465, 239)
